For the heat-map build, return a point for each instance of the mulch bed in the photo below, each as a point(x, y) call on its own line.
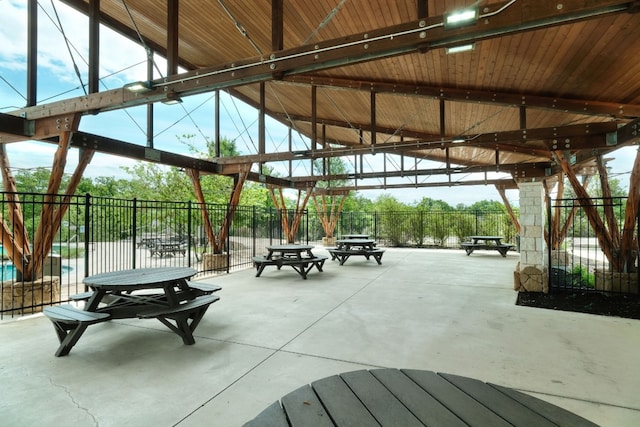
point(626, 306)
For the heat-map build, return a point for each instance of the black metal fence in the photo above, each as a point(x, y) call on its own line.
point(577, 261)
point(98, 234)
point(445, 229)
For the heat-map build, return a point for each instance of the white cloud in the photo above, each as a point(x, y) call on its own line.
point(35, 154)
point(118, 53)
point(13, 35)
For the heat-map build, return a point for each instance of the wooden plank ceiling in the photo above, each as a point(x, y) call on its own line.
point(542, 76)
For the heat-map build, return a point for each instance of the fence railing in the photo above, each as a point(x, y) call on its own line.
point(577, 261)
point(98, 234)
point(446, 229)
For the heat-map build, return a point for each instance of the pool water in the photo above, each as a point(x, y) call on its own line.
point(55, 248)
point(8, 271)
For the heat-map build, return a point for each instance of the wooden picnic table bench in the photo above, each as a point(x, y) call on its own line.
point(204, 288)
point(301, 265)
point(198, 288)
point(343, 255)
point(186, 316)
point(69, 323)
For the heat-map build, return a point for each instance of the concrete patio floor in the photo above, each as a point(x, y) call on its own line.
point(438, 310)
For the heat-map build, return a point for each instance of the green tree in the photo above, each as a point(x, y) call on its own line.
point(331, 166)
point(393, 219)
point(102, 186)
point(487, 205)
point(358, 203)
point(216, 188)
point(36, 180)
point(463, 224)
point(431, 220)
point(438, 226)
point(429, 204)
point(151, 181)
point(324, 211)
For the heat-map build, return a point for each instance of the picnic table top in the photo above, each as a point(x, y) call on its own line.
point(291, 247)
point(138, 278)
point(410, 397)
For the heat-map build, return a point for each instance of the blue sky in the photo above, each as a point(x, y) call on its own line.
point(123, 61)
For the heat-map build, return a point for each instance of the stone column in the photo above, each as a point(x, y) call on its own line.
point(531, 273)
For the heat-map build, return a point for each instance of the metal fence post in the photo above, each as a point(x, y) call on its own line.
point(227, 243)
point(134, 231)
point(270, 225)
point(189, 232)
point(306, 220)
point(476, 229)
point(87, 233)
point(549, 246)
point(351, 222)
point(253, 228)
point(375, 225)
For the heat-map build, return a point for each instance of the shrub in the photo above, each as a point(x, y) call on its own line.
point(582, 277)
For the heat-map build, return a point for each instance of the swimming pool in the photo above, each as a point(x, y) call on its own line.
point(8, 271)
point(55, 248)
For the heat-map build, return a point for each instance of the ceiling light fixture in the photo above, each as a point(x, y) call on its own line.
point(172, 99)
point(460, 17)
point(458, 140)
point(460, 49)
point(139, 87)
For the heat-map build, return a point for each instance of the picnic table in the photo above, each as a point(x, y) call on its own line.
point(163, 293)
point(356, 244)
point(148, 241)
point(355, 236)
point(411, 397)
point(346, 248)
point(162, 248)
point(298, 257)
point(487, 243)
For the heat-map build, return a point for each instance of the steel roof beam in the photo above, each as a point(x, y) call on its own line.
point(564, 105)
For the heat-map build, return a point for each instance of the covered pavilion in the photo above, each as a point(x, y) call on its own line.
point(515, 94)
